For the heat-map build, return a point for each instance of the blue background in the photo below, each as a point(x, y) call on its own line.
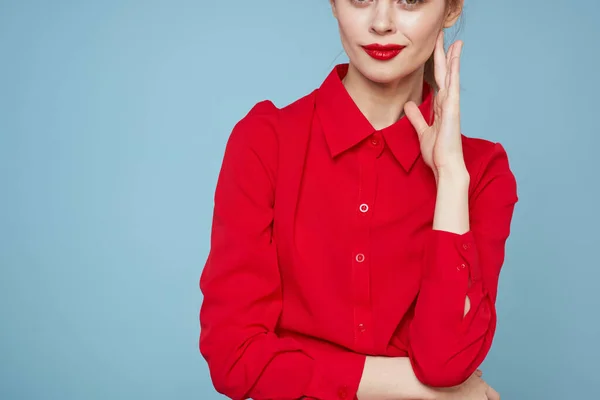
point(113, 120)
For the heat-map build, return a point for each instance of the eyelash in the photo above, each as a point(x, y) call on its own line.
point(407, 6)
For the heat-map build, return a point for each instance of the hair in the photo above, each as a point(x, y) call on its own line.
point(429, 64)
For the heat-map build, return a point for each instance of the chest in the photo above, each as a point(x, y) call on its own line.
point(359, 211)
point(363, 195)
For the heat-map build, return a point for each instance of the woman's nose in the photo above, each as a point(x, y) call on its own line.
point(383, 20)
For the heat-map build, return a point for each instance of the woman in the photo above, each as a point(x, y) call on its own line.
point(357, 236)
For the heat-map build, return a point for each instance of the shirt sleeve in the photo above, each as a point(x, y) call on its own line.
point(241, 286)
point(446, 346)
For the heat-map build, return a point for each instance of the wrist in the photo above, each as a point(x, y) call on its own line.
point(392, 377)
point(457, 174)
point(452, 202)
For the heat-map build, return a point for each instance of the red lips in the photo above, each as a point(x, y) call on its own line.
point(383, 52)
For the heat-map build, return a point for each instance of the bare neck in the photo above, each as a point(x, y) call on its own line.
point(383, 104)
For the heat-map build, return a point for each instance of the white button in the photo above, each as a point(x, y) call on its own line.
point(360, 257)
point(364, 208)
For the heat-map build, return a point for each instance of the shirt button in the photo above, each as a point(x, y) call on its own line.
point(343, 393)
point(461, 267)
point(360, 257)
point(375, 141)
point(364, 208)
point(466, 246)
point(361, 328)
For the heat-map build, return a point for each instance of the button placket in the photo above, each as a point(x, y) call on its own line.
point(361, 328)
point(376, 142)
point(361, 260)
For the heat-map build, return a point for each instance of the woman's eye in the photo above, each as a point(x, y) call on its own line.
point(405, 3)
point(411, 3)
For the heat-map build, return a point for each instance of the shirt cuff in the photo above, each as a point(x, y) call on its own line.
point(451, 257)
point(336, 376)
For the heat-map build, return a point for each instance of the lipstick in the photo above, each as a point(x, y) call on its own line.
point(383, 52)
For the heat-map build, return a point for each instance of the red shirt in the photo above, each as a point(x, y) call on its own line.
point(323, 252)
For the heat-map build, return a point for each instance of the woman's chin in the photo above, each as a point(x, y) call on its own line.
point(381, 72)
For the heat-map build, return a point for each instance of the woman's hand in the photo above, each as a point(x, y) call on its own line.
point(394, 378)
point(474, 388)
point(441, 145)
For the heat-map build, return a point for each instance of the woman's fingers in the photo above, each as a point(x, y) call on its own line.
point(452, 98)
point(455, 71)
point(439, 61)
point(450, 54)
point(447, 65)
point(492, 394)
point(448, 61)
point(414, 115)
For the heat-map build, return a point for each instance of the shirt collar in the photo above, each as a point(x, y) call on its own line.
point(345, 126)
